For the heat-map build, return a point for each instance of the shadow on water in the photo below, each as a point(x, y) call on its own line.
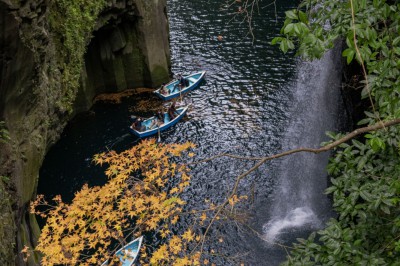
point(253, 103)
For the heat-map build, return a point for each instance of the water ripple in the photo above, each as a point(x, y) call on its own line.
point(240, 108)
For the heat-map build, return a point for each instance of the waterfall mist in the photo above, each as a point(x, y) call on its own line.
point(299, 202)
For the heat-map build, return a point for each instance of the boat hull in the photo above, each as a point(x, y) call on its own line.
point(194, 81)
point(128, 253)
point(167, 124)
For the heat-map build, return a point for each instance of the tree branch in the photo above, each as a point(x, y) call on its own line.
point(328, 147)
point(262, 160)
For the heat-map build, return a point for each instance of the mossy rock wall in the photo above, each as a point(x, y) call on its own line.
point(129, 49)
point(28, 91)
point(7, 226)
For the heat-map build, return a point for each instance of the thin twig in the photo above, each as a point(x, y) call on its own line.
point(262, 160)
point(330, 146)
point(361, 61)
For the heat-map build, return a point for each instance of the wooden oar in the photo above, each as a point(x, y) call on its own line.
point(159, 135)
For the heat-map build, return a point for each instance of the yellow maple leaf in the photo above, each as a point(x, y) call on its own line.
point(99, 215)
point(188, 235)
point(175, 245)
point(160, 254)
point(203, 217)
point(175, 219)
point(182, 262)
point(174, 190)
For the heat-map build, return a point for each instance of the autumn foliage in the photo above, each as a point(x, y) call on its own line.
point(141, 195)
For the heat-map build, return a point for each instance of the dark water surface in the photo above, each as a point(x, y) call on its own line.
point(255, 102)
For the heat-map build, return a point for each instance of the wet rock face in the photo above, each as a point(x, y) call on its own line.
point(7, 227)
point(24, 106)
point(129, 49)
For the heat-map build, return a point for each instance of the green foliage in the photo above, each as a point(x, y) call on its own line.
point(5, 179)
point(72, 23)
point(365, 185)
point(366, 195)
point(4, 136)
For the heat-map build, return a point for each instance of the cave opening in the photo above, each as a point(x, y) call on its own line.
point(114, 62)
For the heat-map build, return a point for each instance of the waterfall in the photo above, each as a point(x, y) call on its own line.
point(299, 201)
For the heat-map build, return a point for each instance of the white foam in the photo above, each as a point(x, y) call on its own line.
point(295, 218)
point(298, 198)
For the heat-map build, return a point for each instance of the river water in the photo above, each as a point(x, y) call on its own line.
point(255, 101)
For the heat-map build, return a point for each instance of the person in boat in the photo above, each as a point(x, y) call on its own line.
point(164, 90)
point(183, 82)
point(154, 123)
point(137, 124)
point(177, 86)
point(172, 111)
point(160, 117)
point(158, 120)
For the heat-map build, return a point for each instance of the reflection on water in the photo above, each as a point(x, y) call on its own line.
point(241, 108)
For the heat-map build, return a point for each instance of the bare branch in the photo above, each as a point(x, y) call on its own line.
point(328, 147)
point(247, 9)
point(362, 61)
point(262, 160)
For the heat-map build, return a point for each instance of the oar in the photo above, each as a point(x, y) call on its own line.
point(159, 135)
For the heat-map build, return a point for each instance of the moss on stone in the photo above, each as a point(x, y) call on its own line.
point(7, 226)
point(159, 74)
point(47, 42)
point(72, 23)
point(35, 232)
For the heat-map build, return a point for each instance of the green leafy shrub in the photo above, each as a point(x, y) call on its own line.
point(72, 23)
point(364, 173)
point(4, 136)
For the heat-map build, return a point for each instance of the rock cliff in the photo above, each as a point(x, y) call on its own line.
point(126, 47)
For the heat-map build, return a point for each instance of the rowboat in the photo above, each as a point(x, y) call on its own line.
point(152, 126)
point(172, 89)
point(128, 253)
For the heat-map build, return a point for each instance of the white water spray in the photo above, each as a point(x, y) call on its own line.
point(299, 201)
point(295, 218)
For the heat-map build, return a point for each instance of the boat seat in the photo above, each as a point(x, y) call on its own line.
point(131, 253)
point(176, 89)
point(166, 118)
point(193, 80)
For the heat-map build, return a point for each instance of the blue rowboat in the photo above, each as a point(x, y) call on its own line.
point(172, 89)
point(128, 253)
point(152, 126)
